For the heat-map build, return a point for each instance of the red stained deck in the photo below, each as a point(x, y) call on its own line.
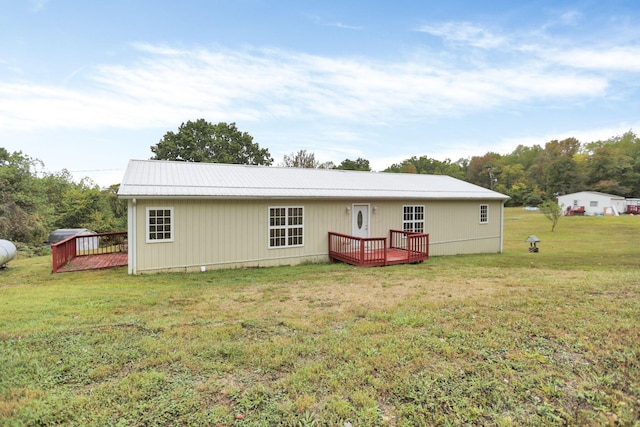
point(90, 252)
point(403, 247)
point(98, 251)
point(95, 262)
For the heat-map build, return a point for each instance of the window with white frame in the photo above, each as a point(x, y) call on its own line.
point(413, 218)
point(159, 224)
point(286, 226)
point(484, 214)
point(593, 203)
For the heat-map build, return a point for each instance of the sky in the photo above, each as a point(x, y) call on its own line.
point(87, 85)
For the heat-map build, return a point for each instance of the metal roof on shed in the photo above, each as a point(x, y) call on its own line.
point(168, 179)
point(64, 233)
point(595, 193)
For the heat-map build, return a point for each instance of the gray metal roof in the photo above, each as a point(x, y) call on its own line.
point(166, 179)
point(595, 193)
point(63, 233)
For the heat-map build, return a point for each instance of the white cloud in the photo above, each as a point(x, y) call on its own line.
point(571, 17)
point(38, 5)
point(466, 33)
point(616, 58)
point(165, 84)
point(343, 26)
point(337, 24)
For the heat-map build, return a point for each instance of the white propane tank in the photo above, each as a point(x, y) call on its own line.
point(7, 252)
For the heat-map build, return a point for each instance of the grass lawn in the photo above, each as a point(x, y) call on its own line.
point(551, 338)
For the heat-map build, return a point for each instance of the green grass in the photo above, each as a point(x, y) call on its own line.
point(517, 338)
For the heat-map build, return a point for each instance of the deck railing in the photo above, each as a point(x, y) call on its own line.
point(416, 244)
point(404, 247)
point(88, 244)
point(357, 250)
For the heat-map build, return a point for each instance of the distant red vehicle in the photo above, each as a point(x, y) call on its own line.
point(574, 210)
point(633, 209)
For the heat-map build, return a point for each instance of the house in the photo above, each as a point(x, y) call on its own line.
point(594, 203)
point(196, 216)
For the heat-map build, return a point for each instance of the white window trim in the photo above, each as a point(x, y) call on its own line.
point(173, 224)
point(413, 221)
point(486, 221)
point(286, 227)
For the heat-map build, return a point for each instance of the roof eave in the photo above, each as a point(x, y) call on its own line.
point(289, 197)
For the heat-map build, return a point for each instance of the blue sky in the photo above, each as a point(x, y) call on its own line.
point(88, 85)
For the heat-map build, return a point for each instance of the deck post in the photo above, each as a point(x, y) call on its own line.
point(331, 247)
point(54, 257)
point(385, 251)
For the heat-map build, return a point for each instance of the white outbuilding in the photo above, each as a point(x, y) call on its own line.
point(593, 202)
point(86, 238)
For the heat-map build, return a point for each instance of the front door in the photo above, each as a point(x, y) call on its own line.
point(360, 221)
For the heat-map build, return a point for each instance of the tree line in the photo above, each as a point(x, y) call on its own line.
point(32, 206)
point(530, 175)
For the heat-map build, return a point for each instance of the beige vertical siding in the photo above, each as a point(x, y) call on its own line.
point(455, 228)
point(234, 233)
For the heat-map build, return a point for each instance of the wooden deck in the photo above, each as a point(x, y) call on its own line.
point(95, 262)
point(90, 252)
point(98, 251)
point(402, 247)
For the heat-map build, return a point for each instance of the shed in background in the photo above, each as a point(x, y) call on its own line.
point(593, 202)
point(82, 244)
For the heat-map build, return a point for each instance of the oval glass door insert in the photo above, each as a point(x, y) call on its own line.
point(360, 219)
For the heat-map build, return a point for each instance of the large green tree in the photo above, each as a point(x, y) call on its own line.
point(613, 166)
point(561, 170)
point(484, 170)
point(426, 165)
point(21, 201)
point(201, 141)
point(359, 164)
point(85, 205)
point(32, 206)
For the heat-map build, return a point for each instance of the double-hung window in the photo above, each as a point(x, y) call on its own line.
point(484, 214)
point(413, 218)
point(159, 224)
point(286, 226)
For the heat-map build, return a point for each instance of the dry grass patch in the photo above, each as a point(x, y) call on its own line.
point(510, 339)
